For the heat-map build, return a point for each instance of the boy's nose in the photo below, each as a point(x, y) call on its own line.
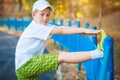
point(44, 17)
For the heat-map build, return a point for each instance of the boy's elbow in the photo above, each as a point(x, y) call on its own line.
point(57, 30)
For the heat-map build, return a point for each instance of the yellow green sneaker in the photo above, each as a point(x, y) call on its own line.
point(102, 37)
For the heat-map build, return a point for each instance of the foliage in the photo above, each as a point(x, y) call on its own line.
point(75, 9)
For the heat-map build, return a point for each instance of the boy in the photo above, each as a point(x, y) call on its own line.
point(30, 58)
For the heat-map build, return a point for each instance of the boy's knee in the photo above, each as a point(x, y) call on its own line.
point(61, 57)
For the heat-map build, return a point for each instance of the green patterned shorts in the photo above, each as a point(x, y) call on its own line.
point(37, 65)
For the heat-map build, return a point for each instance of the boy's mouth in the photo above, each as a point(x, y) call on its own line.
point(44, 22)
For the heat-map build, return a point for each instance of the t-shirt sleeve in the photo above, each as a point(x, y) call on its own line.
point(42, 32)
point(39, 31)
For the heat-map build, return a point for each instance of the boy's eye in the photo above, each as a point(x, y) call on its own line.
point(42, 14)
point(48, 14)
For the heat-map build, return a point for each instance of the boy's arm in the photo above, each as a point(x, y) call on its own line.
point(73, 30)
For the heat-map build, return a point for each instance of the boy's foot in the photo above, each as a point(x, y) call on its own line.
point(96, 54)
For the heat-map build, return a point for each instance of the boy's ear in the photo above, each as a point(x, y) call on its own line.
point(33, 14)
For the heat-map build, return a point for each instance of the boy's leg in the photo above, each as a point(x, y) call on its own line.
point(48, 75)
point(49, 62)
point(75, 57)
point(38, 65)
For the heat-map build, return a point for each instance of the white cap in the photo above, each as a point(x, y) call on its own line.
point(41, 5)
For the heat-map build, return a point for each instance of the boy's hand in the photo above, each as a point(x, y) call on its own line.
point(92, 32)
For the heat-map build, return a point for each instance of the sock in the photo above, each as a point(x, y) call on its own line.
point(96, 54)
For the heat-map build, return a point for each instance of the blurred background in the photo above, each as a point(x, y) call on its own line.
point(104, 14)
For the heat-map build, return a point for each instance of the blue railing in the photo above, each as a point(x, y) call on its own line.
point(16, 24)
point(97, 69)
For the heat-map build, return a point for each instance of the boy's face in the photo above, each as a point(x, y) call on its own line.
point(42, 17)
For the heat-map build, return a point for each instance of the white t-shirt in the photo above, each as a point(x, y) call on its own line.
point(32, 42)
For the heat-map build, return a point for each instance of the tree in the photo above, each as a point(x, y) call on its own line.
point(104, 7)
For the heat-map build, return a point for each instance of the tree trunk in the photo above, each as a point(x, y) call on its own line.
point(20, 5)
point(100, 16)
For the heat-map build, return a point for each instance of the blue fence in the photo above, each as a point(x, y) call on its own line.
point(16, 24)
point(97, 69)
